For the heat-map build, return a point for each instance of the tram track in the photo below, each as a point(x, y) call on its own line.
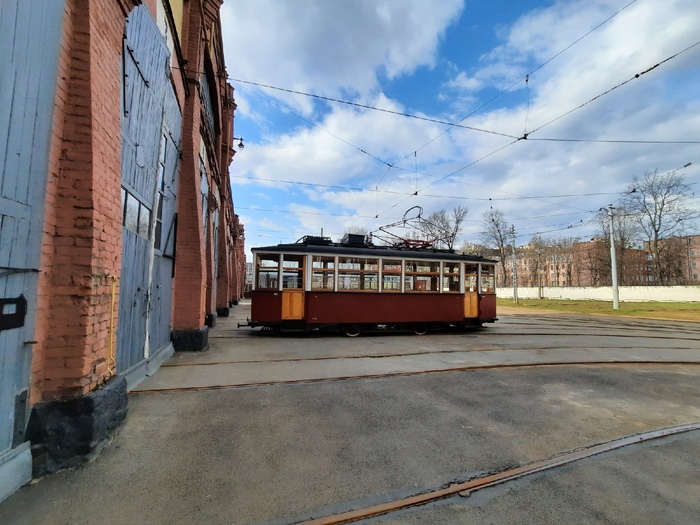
point(469, 487)
point(405, 354)
point(593, 333)
point(693, 336)
point(579, 323)
point(254, 384)
point(307, 358)
point(577, 326)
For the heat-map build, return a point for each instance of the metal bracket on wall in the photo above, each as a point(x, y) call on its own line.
point(12, 312)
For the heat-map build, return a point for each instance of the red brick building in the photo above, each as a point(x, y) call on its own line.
point(693, 255)
point(118, 241)
point(678, 260)
point(588, 264)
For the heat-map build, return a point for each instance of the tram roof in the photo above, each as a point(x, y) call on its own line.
point(371, 250)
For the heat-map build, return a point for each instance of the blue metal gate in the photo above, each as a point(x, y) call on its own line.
point(151, 123)
point(29, 42)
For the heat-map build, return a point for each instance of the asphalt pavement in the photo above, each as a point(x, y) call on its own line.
point(256, 447)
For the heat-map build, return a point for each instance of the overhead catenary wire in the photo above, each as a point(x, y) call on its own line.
point(458, 124)
point(539, 232)
point(287, 110)
point(482, 106)
point(454, 124)
point(634, 77)
point(373, 108)
point(612, 141)
point(391, 192)
point(515, 84)
point(525, 137)
point(325, 214)
point(525, 218)
point(389, 165)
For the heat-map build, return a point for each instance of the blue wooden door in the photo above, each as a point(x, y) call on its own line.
point(151, 123)
point(29, 38)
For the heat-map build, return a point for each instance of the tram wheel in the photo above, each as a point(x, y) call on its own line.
point(420, 329)
point(352, 330)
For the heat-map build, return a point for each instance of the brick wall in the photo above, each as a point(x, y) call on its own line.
point(190, 277)
point(81, 249)
point(196, 276)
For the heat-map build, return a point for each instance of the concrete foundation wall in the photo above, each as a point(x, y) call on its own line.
point(627, 293)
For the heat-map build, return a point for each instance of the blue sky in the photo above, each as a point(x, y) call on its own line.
point(310, 164)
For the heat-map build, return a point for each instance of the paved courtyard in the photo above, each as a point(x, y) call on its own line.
point(269, 429)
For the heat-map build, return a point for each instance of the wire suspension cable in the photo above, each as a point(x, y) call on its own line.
point(374, 108)
point(636, 76)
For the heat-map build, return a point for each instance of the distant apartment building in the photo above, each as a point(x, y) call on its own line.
point(677, 262)
point(588, 264)
point(693, 249)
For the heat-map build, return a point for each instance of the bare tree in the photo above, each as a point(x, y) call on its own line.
point(496, 234)
point(555, 260)
point(443, 227)
point(470, 248)
point(537, 251)
point(627, 232)
point(660, 205)
point(564, 246)
point(675, 261)
point(354, 230)
point(595, 262)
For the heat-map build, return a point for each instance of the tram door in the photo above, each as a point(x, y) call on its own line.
point(471, 290)
point(292, 304)
point(292, 287)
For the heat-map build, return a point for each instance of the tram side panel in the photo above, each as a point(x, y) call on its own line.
point(336, 308)
point(487, 307)
point(266, 307)
point(369, 308)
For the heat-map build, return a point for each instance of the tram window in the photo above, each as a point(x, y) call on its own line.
point(323, 273)
point(267, 268)
point(450, 277)
point(349, 281)
point(293, 271)
point(370, 281)
point(425, 283)
point(422, 276)
point(471, 271)
point(323, 263)
point(487, 279)
point(391, 283)
point(356, 273)
point(391, 276)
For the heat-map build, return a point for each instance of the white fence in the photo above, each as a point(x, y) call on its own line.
point(627, 293)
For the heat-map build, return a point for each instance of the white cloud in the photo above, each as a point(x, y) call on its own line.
point(464, 82)
point(330, 48)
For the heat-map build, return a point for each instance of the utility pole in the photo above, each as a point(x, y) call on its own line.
point(539, 275)
point(690, 271)
point(613, 262)
point(515, 273)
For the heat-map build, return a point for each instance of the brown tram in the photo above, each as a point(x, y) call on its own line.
point(355, 287)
